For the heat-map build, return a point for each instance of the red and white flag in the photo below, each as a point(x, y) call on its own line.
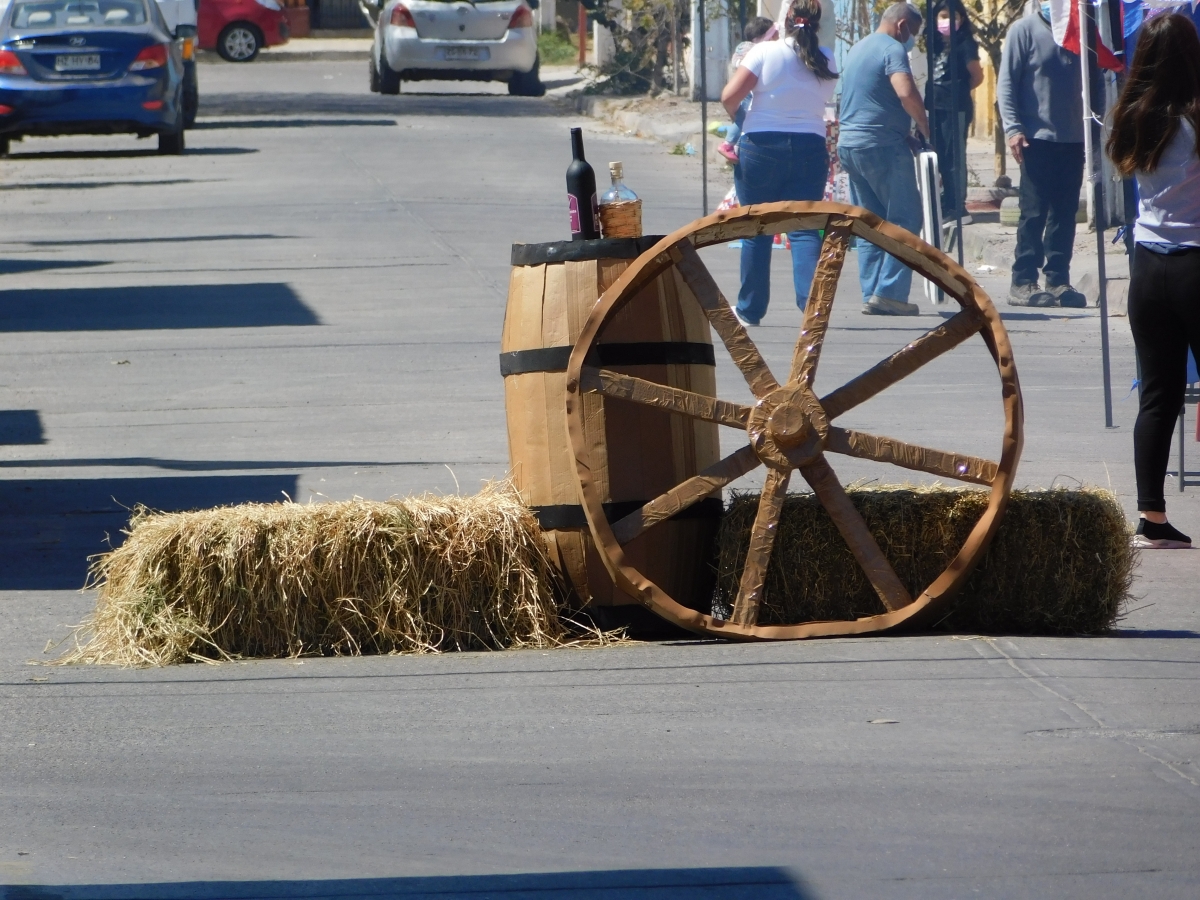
point(1064, 20)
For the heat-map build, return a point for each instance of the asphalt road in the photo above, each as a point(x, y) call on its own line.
point(310, 302)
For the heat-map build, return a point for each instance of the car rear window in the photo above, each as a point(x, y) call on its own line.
point(53, 14)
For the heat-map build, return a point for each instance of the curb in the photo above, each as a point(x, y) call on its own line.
point(621, 112)
point(281, 54)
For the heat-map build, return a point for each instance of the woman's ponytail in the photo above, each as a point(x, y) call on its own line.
point(803, 24)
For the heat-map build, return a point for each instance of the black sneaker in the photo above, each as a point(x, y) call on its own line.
point(1030, 295)
point(1152, 536)
point(1067, 296)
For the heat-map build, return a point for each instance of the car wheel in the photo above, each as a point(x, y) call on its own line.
point(389, 78)
point(170, 143)
point(374, 76)
point(239, 42)
point(527, 84)
point(191, 102)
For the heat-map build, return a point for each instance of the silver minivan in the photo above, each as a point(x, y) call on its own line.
point(456, 40)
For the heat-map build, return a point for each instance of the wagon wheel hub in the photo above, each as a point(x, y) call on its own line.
point(789, 427)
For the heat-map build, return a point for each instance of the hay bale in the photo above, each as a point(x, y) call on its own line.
point(278, 580)
point(1061, 561)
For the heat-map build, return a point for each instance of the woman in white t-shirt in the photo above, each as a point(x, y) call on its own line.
point(1155, 128)
point(781, 151)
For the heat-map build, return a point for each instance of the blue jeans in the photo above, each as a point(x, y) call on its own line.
point(883, 180)
point(772, 166)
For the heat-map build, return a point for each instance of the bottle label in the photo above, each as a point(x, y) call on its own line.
point(595, 210)
point(573, 205)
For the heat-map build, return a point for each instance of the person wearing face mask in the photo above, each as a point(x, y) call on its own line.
point(880, 103)
point(949, 91)
point(1039, 94)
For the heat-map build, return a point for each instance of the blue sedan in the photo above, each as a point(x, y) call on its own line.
point(90, 67)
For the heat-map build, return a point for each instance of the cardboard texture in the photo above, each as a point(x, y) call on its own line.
point(788, 428)
point(548, 304)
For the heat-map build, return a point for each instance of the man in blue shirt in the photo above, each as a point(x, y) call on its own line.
point(879, 105)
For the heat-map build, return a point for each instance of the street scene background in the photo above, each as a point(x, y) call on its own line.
point(309, 303)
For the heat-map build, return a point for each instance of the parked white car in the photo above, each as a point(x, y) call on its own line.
point(456, 40)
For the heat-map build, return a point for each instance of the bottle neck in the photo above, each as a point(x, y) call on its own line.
point(577, 143)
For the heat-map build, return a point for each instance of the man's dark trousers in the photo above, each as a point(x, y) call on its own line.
point(1051, 176)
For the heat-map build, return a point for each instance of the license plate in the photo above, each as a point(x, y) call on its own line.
point(461, 54)
point(77, 62)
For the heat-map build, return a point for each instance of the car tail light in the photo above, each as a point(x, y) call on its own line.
point(5, 110)
point(522, 18)
point(9, 64)
point(152, 104)
point(401, 16)
point(151, 57)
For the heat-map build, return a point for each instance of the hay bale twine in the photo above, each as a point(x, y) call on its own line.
point(1060, 563)
point(420, 574)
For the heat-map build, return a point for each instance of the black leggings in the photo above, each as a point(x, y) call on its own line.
point(1164, 314)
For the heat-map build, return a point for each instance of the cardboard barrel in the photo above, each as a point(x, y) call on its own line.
point(640, 453)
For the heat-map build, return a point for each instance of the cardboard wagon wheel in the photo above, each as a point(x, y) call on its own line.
point(790, 428)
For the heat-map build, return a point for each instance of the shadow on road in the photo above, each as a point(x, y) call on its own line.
point(194, 465)
point(292, 123)
point(84, 185)
point(17, 266)
point(762, 883)
point(128, 154)
point(49, 527)
point(20, 426)
point(186, 239)
point(168, 306)
point(496, 106)
point(1157, 633)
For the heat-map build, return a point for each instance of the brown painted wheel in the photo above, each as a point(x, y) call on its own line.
point(789, 427)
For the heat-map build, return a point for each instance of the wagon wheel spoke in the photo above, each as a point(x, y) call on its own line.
point(820, 302)
point(858, 537)
point(903, 363)
point(911, 456)
point(686, 494)
point(661, 396)
point(762, 541)
point(720, 315)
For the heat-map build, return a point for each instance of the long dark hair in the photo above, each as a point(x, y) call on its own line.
point(803, 23)
point(1163, 88)
point(940, 44)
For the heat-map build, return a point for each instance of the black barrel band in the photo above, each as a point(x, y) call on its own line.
point(582, 251)
point(554, 518)
point(656, 353)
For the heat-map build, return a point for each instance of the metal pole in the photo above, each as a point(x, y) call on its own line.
point(956, 139)
point(675, 47)
point(930, 96)
point(703, 110)
point(931, 114)
point(1087, 17)
point(581, 25)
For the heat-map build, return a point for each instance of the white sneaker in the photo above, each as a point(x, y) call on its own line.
point(882, 306)
point(743, 320)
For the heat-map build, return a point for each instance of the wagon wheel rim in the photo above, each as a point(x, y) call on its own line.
point(789, 428)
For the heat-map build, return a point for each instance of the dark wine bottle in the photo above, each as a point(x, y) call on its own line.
point(581, 192)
